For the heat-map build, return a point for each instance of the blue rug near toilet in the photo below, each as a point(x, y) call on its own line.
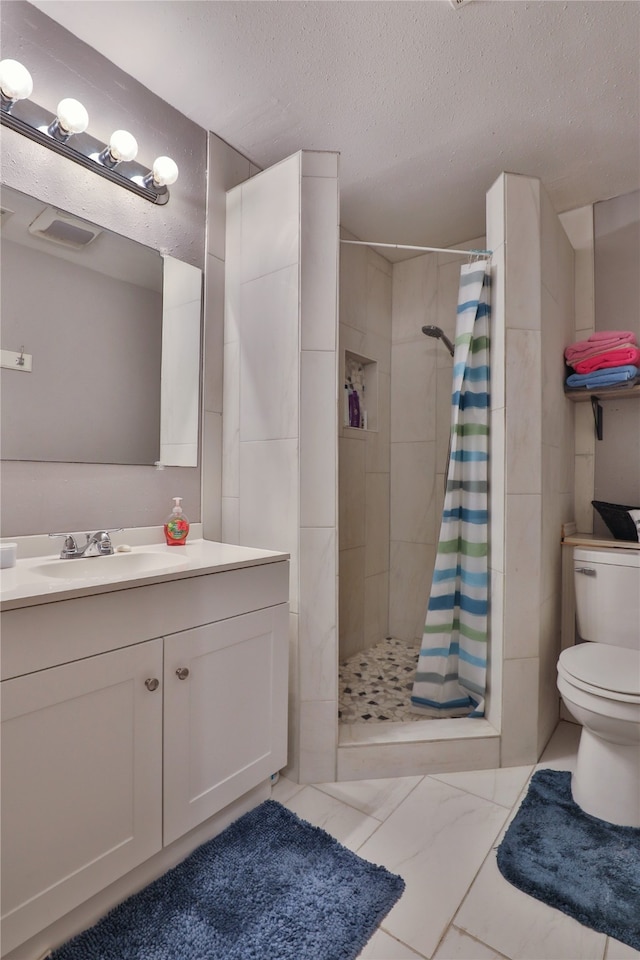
point(572, 861)
point(269, 887)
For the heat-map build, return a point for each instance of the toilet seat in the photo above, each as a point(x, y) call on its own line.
point(603, 670)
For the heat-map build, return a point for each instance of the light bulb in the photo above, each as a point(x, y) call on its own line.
point(123, 146)
point(15, 80)
point(72, 116)
point(165, 171)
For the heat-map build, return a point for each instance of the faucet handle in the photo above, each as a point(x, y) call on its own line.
point(70, 548)
point(103, 535)
point(103, 540)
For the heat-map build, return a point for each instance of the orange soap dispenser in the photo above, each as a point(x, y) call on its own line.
point(176, 528)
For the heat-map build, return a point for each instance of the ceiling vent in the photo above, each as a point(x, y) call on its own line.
point(64, 229)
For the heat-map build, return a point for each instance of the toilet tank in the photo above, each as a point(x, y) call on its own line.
point(607, 585)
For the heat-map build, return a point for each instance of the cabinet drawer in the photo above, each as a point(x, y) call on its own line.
point(34, 638)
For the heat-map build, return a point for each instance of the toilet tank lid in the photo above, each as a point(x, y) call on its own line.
point(616, 557)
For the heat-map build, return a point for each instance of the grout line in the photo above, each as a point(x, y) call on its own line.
point(395, 809)
point(352, 805)
point(482, 942)
point(490, 852)
point(404, 943)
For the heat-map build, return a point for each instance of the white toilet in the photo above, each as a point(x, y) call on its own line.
point(599, 681)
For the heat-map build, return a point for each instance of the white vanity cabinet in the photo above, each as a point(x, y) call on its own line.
point(128, 719)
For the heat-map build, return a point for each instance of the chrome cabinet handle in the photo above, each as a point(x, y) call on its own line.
point(152, 684)
point(182, 673)
point(587, 571)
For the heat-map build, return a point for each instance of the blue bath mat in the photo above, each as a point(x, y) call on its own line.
point(270, 887)
point(572, 861)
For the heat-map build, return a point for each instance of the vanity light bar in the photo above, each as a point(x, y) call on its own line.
point(65, 134)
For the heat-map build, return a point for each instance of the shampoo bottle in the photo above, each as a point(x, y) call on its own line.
point(176, 528)
point(354, 408)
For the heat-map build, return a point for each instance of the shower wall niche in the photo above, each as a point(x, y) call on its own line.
point(361, 379)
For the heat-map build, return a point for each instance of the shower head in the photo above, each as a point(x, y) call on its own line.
point(436, 332)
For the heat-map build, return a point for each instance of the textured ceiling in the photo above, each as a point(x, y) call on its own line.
point(425, 103)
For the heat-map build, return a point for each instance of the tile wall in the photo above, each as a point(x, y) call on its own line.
point(279, 481)
point(365, 331)
point(532, 454)
point(558, 451)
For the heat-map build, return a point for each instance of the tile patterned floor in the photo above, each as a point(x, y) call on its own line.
point(375, 685)
point(440, 833)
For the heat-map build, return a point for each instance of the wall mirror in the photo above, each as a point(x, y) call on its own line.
point(111, 332)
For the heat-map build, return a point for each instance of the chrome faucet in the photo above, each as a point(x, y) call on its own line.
point(97, 545)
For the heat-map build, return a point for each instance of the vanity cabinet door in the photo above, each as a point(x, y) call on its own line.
point(225, 730)
point(81, 782)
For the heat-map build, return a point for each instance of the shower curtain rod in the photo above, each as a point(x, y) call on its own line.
point(404, 246)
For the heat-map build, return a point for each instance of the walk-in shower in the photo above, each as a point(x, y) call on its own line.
point(390, 478)
point(431, 331)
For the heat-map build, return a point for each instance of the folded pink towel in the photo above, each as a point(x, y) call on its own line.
point(621, 335)
point(618, 357)
point(575, 356)
point(597, 343)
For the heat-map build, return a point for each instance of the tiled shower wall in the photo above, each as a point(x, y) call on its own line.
point(425, 291)
point(532, 455)
point(279, 480)
point(365, 331)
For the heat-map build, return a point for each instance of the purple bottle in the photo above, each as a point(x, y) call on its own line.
point(354, 409)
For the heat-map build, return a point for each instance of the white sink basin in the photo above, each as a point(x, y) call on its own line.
point(120, 566)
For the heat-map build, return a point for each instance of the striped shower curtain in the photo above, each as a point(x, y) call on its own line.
point(451, 676)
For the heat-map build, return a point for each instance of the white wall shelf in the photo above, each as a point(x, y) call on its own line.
point(605, 393)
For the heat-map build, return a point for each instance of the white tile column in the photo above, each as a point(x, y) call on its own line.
point(279, 486)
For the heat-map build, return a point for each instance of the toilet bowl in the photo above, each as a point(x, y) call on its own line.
point(606, 781)
point(599, 681)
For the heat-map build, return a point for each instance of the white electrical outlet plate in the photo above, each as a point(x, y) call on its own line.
point(11, 360)
point(458, 3)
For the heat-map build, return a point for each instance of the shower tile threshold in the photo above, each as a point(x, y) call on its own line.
point(430, 731)
point(366, 751)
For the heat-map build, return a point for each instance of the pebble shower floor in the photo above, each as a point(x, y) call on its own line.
point(375, 685)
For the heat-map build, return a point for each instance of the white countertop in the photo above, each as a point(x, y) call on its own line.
point(26, 584)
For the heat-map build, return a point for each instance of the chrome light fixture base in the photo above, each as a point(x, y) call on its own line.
point(34, 122)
